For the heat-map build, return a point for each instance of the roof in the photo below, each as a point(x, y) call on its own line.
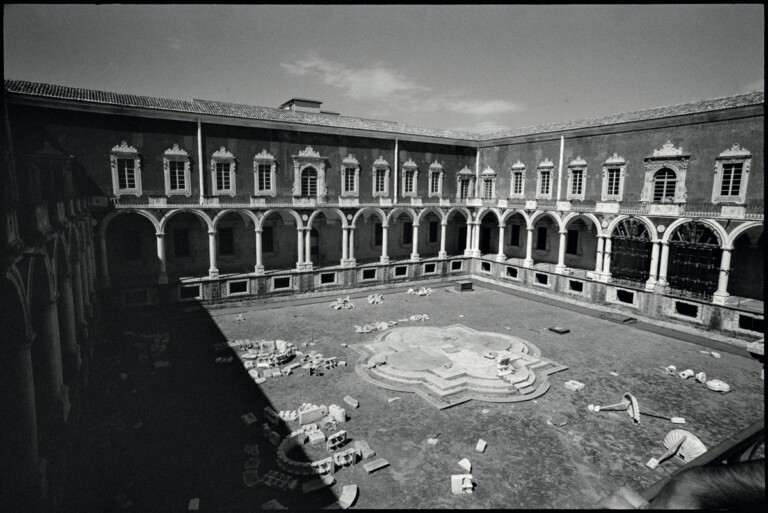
point(226, 109)
point(302, 100)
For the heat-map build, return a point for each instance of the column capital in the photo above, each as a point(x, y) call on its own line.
point(258, 230)
point(212, 232)
point(159, 235)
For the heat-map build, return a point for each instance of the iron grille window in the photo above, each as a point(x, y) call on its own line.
point(408, 181)
point(309, 182)
point(630, 259)
point(433, 226)
point(226, 241)
point(577, 181)
point(126, 173)
point(434, 183)
point(176, 169)
point(380, 175)
point(664, 184)
point(265, 177)
point(731, 184)
point(544, 183)
point(694, 261)
point(463, 188)
point(349, 179)
point(488, 190)
point(614, 181)
point(517, 183)
point(223, 182)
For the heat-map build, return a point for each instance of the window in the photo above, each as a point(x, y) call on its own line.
point(731, 175)
point(613, 176)
point(572, 242)
point(544, 182)
point(126, 170)
point(177, 175)
point(541, 238)
point(577, 171)
point(664, 185)
point(264, 167)
point(408, 233)
point(517, 182)
point(380, 177)
point(176, 170)
point(349, 176)
point(514, 239)
point(267, 241)
point(379, 181)
point(349, 179)
point(436, 179)
point(131, 245)
point(577, 183)
point(434, 183)
point(408, 181)
point(378, 233)
point(614, 181)
point(265, 177)
point(488, 189)
point(181, 243)
point(309, 182)
point(410, 177)
point(222, 167)
point(433, 229)
point(488, 177)
point(464, 188)
point(226, 241)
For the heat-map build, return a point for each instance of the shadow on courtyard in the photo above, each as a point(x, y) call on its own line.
point(152, 438)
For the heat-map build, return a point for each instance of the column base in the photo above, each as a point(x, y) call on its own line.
point(442, 254)
point(414, 257)
point(384, 260)
point(501, 258)
point(162, 278)
point(213, 273)
point(528, 262)
point(605, 278)
point(561, 269)
point(348, 262)
point(259, 270)
point(650, 284)
point(720, 298)
point(305, 266)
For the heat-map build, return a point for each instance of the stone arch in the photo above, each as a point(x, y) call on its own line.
point(592, 217)
point(647, 222)
point(540, 214)
point(246, 215)
point(41, 274)
point(423, 213)
point(279, 211)
point(463, 210)
point(336, 211)
point(382, 215)
point(396, 211)
point(204, 219)
point(739, 230)
point(510, 212)
point(719, 231)
point(15, 311)
point(61, 255)
point(105, 222)
point(483, 211)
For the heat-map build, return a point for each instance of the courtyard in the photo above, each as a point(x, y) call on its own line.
point(155, 437)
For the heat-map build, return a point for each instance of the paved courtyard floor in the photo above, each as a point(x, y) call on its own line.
point(165, 435)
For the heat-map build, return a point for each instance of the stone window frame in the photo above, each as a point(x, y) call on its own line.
point(517, 167)
point(222, 156)
point(350, 162)
point(383, 165)
point(577, 164)
point(177, 154)
point(548, 166)
point(124, 152)
point(436, 169)
point(468, 175)
point(309, 158)
point(410, 166)
point(488, 175)
point(670, 157)
point(614, 162)
point(264, 159)
point(735, 155)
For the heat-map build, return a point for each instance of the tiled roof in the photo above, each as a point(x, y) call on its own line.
point(216, 108)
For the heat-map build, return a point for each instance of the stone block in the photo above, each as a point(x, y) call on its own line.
point(481, 445)
point(316, 437)
point(351, 401)
point(466, 465)
point(312, 414)
point(375, 465)
point(364, 450)
point(338, 413)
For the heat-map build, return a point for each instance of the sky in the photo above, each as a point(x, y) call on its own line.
point(476, 68)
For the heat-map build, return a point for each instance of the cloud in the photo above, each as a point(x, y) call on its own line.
point(757, 85)
point(389, 86)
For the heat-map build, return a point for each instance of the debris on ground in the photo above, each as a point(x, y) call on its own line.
point(717, 385)
point(461, 483)
point(557, 420)
point(342, 303)
point(194, 504)
point(423, 291)
point(249, 418)
point(375, 465)
point(348, 496)
point(687, 373)
point(574, 385)
point(351, 401)
point(682, 443)
point(240, 317)
point(714, 354)
point(392, 399)
point(614, 373)
point(375, 299)
point(559, 330)
point(481, 445)
point(272, 504)
point(466, 465)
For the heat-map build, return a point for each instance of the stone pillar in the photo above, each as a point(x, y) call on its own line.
point(85, 288)
point(442, 253)
point(104, 266)
point(415, 243)
point(599, 255)
point(352, 245)
point(259, 269)
point(213, 272)
point(721, 294)
point(663, 265)
point(476, 240)
point(384, 256)
point(77, 296)
point(607, 260)
point(308, 247)
point(560, 267)
point(344, 245)
point(468, 246)
point(19, 474)
point(70, 349)
point(50, 377)
point(528, 262)
point(90, 258)
point(501, 257)
point(162, 275)
point(299, 247)
point(654, 270)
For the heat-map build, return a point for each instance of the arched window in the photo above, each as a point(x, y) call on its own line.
point(309, 182)
point(664, 181)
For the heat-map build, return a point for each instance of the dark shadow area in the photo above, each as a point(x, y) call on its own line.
point(153, 437)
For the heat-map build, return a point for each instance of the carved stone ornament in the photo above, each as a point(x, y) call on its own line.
point(518, 165)
point(124, 148)
point(466, 171)
point(615, 160)
point(264, 155)
point(578, 162)
point(735, 151)
point(308, 152)
point(176, 151)
point(546, 163)
point(488, 171)
point(668, 150)
point(350, 161)
point(436, 165)
point(409, 163)
point(380, 162)
point(223, 154)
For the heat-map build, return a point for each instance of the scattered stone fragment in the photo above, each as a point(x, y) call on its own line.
point(432, 441)
point(259, 381)
point(687, 373)
point(559, 330)
point(343, 344)
point(364, 450)
point(249, 418)
point(351, 401)
point(194, 504)
point(484, 410)
point(573, 385)
point(316, 437)
point(557, 420)
point(240, 317)
point(481, 445)
point(714, 354)
point(613, 373)
point(252, 449)
point(717, 385)
point(392, 399)
point(375, 465)
point(348, 496)
point(466, 465)
point(251, 478)
point(123, 376)
point(461, 483)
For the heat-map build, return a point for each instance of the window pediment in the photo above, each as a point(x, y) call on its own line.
point(518, 166)
point(223, 154)
point(176, 152)
point(546, 164)
point(736, 152)
point(410, 164)
point(123, 149)
point(350, 161)
point(488, 172)
point(668, 152)
point(380, 163)
point(615, 160)
point(578, 162)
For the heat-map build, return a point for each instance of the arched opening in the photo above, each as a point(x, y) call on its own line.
point(132, 250)
point(279, 245)
point(309, 182)
point(546, 240)
point(325, 239)
point(515, 237)
point(369, 236)
point(664, 181)
point(66, 315)
point(429, 236)
point(186, 246)
point(489, 234)
point(631, 249)
point(580, 245)
point(456, 233)
point(400, 237)
point(747, 259)
point(694, 260)
point(236, 244)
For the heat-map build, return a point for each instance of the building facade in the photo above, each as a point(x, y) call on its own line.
point(152, 202)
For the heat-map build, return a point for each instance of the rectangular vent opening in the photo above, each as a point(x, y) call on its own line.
point(485, 267)
point(401, 270)
point(238, 287)
point(189, 292)
point(326, 278)
point(687, 309)
point(626, 296)
point(369, 274)
point(512, 272)
point(281, 283)
point(748, 322)
point(430, 268)
point(576, 286)
point(456, 265)
point(542, 278)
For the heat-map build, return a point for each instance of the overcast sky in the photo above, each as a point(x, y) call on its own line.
point(479, 68)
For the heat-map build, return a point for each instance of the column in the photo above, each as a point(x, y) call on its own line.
point(384, 256)
point(85, 289)
point(607, 260)
point(213, 272)
point(104, 266)
point(415, 243)
point(19, 458)
point(77, 296)
point(162, 275)
point(468, 247)
point(528, 262)
point(308, 247)
point(352, 245)
point(476, 240)
point(259, 269)
point(49, 376)
point(70, 350)
point(599, 255)
point(653, 272)
point(299, 247)
point(721, 294)
point(442, 253)
point(501, 257)
point(344, 245)
point(663, 265)
point(560, 267)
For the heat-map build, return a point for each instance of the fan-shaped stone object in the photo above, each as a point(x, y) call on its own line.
point(671, 450)
point(687, 373)
point(671, 370)
point(633, 410)
point(691, 446)
point(717, 385)
point(701, 377)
